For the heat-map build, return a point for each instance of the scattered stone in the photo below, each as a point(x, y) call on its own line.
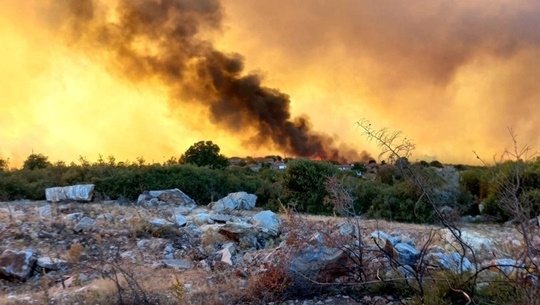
point(44, 211)
point(49, 263)
point(202, 219)
point(178, 264)
point(86, 224)
point(180, 220)
point(159, 222)
point(107, 217)
point(143, 243)
point(17, 265)
point(227, 253)
point(80, 192)
point(220, 218)
point(74, 216)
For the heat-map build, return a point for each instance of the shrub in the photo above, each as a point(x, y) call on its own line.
point(303, 185)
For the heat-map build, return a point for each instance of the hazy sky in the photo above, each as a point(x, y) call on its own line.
point(150, 78)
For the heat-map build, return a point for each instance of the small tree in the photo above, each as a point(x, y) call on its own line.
point(36, 161)
point(303, 184)
point(204, 153)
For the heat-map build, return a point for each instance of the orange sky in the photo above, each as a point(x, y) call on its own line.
point(451, 75)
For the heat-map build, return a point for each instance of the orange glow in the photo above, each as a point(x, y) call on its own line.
point(451, 75)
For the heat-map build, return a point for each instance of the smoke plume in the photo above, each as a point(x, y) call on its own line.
point(169, 42)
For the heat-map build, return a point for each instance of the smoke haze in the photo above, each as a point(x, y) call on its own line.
point(150, 78)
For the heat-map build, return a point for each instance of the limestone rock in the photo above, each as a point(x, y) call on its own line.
point(80, 192)
point(239, 200)
point(267, 220)
point(171, 197)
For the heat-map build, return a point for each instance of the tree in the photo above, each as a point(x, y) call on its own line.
point(36, 161)
point(4, 164)
point(204, 153)
point(303, 185)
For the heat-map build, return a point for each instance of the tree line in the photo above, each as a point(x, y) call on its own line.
point(203, 173)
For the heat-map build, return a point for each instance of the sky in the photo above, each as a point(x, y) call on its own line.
point(145, 78)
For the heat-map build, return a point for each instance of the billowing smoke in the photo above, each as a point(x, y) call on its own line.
point(169, 41)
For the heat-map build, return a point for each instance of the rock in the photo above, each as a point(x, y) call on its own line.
point(49, 263)
point(239, 200)
point(319, 264)
point(507, 266)
point(143, 198)
point(267, 220)
point(183, 210)
point(407, 254)
point(80, 192)
point(382, 236)
point(74, 216)
point(86, 224)
point(44, 211)
point(477, 243)
point(159, 222)
point(348, 228)
point(178, 263)
point(227, 253)
point(141, 244)
point(454, 262)
point(202, 219)
point(17, 265)
point(107, 217)
point(128, 255)
point(180, 220)
point(220, 218)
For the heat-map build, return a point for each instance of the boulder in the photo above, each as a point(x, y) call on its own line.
point(407, 254)
point(321, 264)
point(454, 261)
point(17, 265)
point(86, 224)
point(80, 192)
point(239, 200)
point(172, 196)
point(267, 221)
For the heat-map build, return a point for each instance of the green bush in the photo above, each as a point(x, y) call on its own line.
point(303, 185)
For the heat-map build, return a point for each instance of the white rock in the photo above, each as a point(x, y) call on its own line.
point(267, 220)
point(80, 192)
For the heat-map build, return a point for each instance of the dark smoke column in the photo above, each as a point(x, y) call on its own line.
point(161, 39)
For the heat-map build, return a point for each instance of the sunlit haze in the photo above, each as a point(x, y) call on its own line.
point(149, 78)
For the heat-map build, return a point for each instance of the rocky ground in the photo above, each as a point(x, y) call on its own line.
point(164, 249)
